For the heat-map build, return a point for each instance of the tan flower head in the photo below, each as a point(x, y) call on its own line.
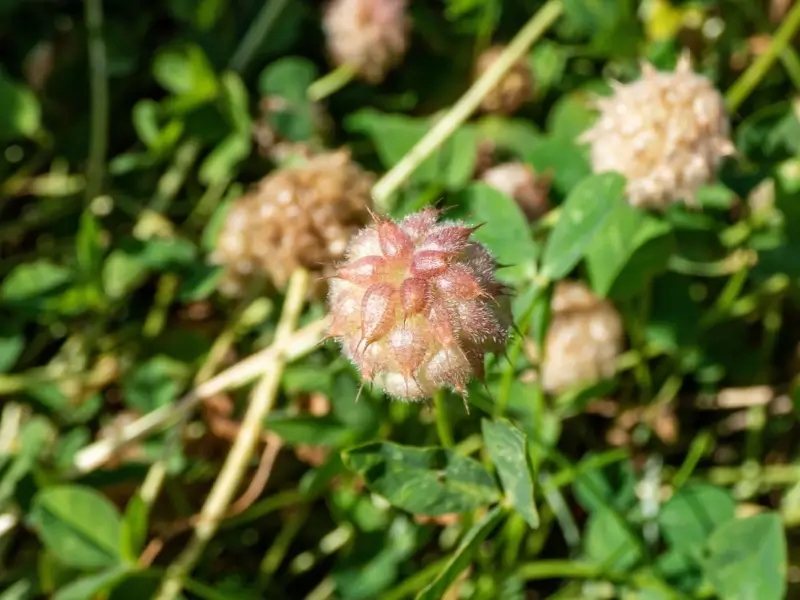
point(300, 216)
point(370, 35)
point(667, 133)
point(585, 337)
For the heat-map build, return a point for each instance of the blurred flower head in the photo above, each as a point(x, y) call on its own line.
point(369, 35)
point(298, 216)
point(585, 337)
point(667, 133)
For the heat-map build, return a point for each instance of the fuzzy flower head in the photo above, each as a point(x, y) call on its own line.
point(369, 35)
point(416, 305)
point(585, 337)
point(513, 90)
point(667, 133)
point(298, 216)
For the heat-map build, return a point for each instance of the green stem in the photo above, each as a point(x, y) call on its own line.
point(172, 180)
point(467, 104)
point(701, 444)
point(329, 84)
point(559, 569)
point(750, 79)
point(415, 582)
point(442, 422)
point(98, 73)
point(264, 22)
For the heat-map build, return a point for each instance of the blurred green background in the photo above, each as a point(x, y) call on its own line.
point(129, 130)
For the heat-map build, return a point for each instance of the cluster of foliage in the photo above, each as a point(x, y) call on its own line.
point(129, 131)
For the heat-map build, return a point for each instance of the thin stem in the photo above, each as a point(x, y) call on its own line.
point(98, 74)
point(226, 484)
point(172, 180)
point(749, 80)
point(442, 423)
point(264, 22)
point(469, 102)
point(329, 84)
point(700, 445)
point(292, 347)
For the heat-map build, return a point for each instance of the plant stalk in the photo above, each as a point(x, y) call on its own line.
point(749, 80)
point(466, 105)
point(230, 477)
point(98, 81)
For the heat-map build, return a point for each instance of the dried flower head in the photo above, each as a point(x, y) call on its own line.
point(299, 216)
point(519, 181)
point(513, 90)
point(416, 305)
point(369, 35)
point(667, 133)
point(583, 341)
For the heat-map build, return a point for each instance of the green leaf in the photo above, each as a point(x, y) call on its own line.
point(505, 231)
point(89, 252)
point(429, 481)
point(592, 15)
point(88, 587)
point(571, 115)
point(517, 136)
point(549, 61)
point(200, 282)
point(21, 114)
point(747, 559)
point(221, 162)
point(122, 273)
point(609, 541)
point(287, 80)
point(151, 385)
point(583, 215)
point(166, 254)
point(305, 429)
point(185, 71)
point(156, 136)
point(12, 342)
point(508, 450)
point(81, 527)
point(22, 589)
point(394, 135)
point(463, 555)
point(133, 534)
point(28, 281)
point(692, 514)
point(34, 440)
point(560, 156)
point(627, 251)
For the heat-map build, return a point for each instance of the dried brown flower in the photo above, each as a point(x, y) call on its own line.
point(299, 216)
point(513, 90)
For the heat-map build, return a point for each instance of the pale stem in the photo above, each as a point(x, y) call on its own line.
point(230, 477)
point(466, 105)
point(98, 74)
point(293, 347)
